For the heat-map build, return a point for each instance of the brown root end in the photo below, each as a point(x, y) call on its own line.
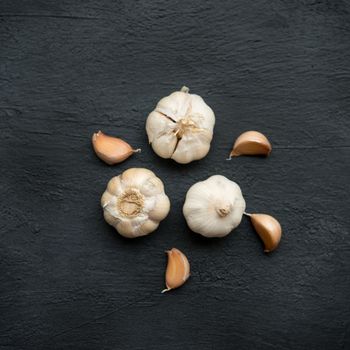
point(130, 203)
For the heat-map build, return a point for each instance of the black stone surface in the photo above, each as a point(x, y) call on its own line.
point(70, 68)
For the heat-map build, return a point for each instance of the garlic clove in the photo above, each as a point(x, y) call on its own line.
point(148, 227)
point(111, 150)
point(152, 187)
point(107, 199)
point(198, 143)
point(165, 145)
point(201, 108)
point(126, 229)
point(269, 230)
point(161, 209)
point(136, 177)
point(110, 219)
point(175, 105)
point(177, 271)
point(115, 186)
point(251, 143)
point(157, 124)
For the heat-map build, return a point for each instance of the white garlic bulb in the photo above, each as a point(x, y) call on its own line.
point(214, 207)
point(134, 202)
point(181, 127)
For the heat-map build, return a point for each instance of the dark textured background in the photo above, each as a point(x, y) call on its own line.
point(69, 68)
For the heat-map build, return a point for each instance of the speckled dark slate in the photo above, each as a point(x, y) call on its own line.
point(69, 68)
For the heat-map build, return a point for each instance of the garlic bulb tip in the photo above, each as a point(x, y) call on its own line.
point(185, 89)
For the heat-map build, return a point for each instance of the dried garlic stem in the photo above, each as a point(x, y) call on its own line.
point(185, 89)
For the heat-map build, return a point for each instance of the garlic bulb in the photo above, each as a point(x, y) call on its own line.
point(134, 202)
point(181, 127)
point(214, 207)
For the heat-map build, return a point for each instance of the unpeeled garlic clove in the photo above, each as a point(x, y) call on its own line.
point(177, 271)
point(251, 143)
point(111, 150)
point(269, 230)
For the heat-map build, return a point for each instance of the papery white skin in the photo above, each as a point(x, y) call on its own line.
point(214, 207)
point(181, 127)
point(154, 204)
